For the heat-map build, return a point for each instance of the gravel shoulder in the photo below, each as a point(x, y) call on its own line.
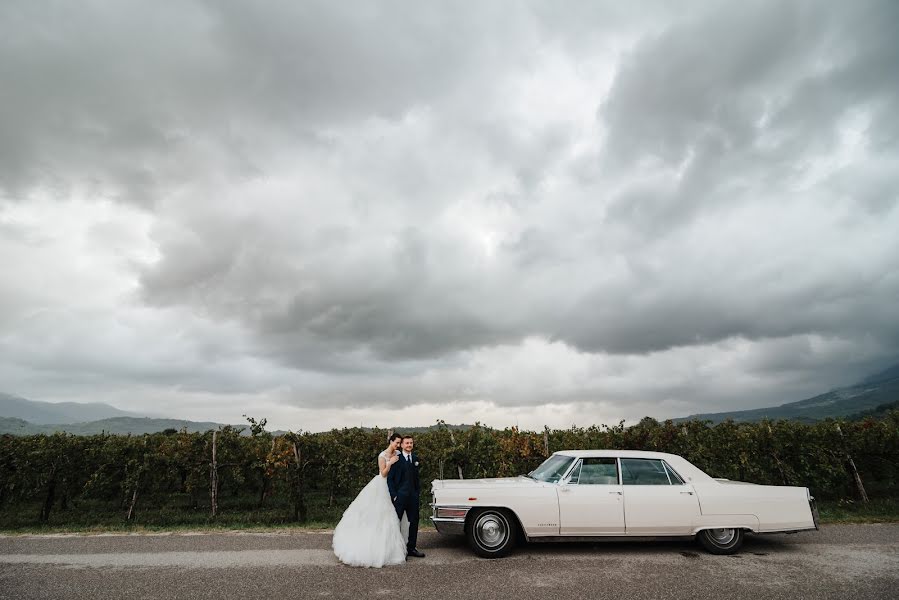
point(840, 561)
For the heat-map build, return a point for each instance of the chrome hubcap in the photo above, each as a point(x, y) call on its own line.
point(491, 530)
point(722, 536)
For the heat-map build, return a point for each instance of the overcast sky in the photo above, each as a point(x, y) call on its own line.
point(385, 213)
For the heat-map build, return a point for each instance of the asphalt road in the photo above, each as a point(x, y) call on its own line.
point(840, 561)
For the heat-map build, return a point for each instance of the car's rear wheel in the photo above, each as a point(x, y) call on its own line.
point(491, 532)
point(721, 541)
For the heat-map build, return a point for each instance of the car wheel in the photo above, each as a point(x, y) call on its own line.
point(491, 532)
point(721, 541)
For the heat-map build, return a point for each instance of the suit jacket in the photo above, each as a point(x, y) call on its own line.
point(403, 480)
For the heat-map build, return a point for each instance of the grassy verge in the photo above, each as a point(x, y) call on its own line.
point(235, 515)
point(203, 527)
point(274, 520)
point(849, 511)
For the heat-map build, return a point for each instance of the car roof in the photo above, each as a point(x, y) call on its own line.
point(682, 466)
point(615, 453)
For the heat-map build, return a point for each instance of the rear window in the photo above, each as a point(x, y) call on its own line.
point(643, 471)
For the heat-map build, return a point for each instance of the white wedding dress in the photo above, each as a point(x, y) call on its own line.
point(369, 534)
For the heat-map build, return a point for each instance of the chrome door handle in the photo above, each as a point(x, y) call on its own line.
point(619, 493)
point(691, 493)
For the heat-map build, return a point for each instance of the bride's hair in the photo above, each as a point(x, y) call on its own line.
point(394, 436)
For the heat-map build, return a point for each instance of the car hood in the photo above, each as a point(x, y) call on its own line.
point(495, 482)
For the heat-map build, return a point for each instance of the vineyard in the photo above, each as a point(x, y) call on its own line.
point(220, 476)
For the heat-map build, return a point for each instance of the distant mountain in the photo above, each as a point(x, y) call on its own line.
point(142, 425)
point(115, 425)
point(45, 413)
point(18, 426)
point(866, 397)
point(891, 374)
point(423, 428)
point(879, 412)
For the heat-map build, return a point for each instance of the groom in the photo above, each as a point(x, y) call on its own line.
point(405, 488)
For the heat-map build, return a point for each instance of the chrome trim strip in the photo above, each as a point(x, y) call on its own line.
point(449, 526)
point(676, 474)
point(464, 507)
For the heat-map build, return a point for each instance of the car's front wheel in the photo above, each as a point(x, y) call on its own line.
point(721, 541)
point(491, 532)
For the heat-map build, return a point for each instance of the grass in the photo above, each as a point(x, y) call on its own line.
point(235, 514)
point(208, 526)
point(883, 510)
point(243, 517)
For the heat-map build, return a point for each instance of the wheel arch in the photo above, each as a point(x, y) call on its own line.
point(707, 527)
point(477, 509)
point(747, 522)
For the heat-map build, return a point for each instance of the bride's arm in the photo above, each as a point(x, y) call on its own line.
point(384, 464)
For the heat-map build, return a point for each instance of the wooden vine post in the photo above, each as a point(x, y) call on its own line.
point(299, 511)
point(856, 476)
point(51, 494)
point(453, 441)
point(214, 477)
point(140, 472)
point(266, 478)
point(133, 499)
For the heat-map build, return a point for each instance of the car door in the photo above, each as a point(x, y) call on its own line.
point(656, 500)
point(590, 503)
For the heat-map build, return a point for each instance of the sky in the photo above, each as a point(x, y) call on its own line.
point(331, 214)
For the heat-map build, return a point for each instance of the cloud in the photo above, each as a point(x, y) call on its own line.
point(609, 210)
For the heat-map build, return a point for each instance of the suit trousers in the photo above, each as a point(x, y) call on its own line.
point(411, 506)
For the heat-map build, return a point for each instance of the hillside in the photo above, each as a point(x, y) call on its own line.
point(141, 425)
point(45, 413)
point(864, 397)
point(116, 425)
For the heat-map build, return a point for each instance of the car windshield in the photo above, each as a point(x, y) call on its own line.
point(552, 468)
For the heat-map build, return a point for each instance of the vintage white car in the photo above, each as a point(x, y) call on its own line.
point(582, 495)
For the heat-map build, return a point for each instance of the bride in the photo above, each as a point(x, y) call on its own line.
point(369, 533)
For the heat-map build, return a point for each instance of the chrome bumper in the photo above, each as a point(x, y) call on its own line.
point(449, 526)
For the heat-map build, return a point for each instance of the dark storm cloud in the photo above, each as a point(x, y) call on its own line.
point(514, 203)
point(751, 90)
point(740, 102)
point(701, 97)
point(127, 99)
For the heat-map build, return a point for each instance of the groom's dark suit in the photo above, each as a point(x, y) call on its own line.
point(405, 488)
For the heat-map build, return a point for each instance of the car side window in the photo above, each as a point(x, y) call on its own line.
point(597, 471)
point(675, 478)
point(575, 473)
point(643, 471)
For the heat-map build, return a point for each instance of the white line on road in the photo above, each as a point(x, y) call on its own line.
point(198, 560)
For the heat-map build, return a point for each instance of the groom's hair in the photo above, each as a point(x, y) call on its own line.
point(408, 437)
point(394, 436)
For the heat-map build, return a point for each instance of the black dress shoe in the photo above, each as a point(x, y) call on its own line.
point(414, 552)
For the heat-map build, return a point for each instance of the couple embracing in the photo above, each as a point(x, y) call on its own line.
point(380, 527)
